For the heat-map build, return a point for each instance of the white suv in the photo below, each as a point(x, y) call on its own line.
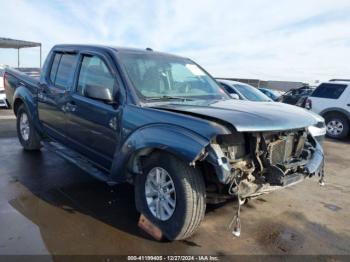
point(332, 101)
point(3, 102)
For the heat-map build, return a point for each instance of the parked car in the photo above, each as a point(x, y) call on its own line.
point(274, 95)
point(162, 123)
point(332, 101)
point(249, 93)
point(238, 90)
point(292, 96)
point(3, 101)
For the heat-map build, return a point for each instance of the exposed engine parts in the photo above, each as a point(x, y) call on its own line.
point(250, 164)
point(264, 161)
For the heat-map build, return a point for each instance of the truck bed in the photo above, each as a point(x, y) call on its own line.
point(31, 71)
point(16, 78)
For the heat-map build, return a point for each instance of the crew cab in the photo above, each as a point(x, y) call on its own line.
point(162, 123)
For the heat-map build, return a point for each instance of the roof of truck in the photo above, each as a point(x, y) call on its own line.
point(114, 48)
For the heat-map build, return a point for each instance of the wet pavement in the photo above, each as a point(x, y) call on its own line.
point(48, 206)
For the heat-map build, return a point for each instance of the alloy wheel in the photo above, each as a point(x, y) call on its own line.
point(335, 127)
point(24, 126)
point(160, 193)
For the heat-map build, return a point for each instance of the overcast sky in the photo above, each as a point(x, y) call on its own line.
point(301, 40)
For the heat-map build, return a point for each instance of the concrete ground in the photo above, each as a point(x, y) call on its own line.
point(48, 206)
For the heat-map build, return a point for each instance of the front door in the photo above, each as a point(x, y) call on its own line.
point(92, 124)
point(53, 95)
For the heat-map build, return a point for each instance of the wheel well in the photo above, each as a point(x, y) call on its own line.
point(18, 102)
point(135, 161)
point(134, 165)
point(335, 113)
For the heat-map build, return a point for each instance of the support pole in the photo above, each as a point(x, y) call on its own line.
point(40, 55)
point(18, 57)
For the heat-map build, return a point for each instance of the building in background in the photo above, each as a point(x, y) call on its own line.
point(275, 85)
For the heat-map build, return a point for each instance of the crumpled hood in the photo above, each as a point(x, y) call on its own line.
point(247, 116)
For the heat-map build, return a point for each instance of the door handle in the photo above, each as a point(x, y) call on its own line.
point(348, 104)
point(41, 93)
point(72, 107)
point(69, 107)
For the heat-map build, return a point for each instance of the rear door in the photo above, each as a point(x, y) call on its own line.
point(92, 125)
point(53, 94)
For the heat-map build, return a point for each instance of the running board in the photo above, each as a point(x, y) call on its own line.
point(79, 160)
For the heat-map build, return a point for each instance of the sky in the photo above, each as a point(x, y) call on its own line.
point(298, 40)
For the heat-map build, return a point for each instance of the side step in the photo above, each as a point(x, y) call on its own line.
point(78, 160)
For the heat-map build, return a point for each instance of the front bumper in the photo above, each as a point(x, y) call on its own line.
point(320, 139)
point(316, 163)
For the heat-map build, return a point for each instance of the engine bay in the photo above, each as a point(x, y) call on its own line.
point(260, 162)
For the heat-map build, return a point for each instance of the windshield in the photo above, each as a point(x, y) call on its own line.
point(164, 77)
point(251, 93)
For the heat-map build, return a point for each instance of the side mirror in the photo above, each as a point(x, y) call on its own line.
point(99, 93)
point(234, 96)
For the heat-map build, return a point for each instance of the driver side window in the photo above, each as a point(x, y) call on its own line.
point(94, 73)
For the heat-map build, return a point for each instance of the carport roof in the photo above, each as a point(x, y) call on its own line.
point(17, 44)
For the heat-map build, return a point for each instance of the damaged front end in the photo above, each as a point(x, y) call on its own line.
point(251, 164)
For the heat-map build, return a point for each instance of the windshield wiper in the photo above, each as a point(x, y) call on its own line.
point(169, 98)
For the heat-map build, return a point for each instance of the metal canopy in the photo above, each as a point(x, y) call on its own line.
point(18, 44)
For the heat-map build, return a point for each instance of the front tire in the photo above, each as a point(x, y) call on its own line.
point(179, 213)
point(337, 126)
point(27, 135)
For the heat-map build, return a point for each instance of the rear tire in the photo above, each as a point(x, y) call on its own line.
point(27, 135)
point(189, 195)
point(337, 126)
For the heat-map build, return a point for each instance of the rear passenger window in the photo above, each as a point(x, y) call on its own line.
point(94, 72)
point(64, 71)
point(54, 67)
point(332, 91)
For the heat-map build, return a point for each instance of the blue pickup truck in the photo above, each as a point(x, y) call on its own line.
point(162, 123)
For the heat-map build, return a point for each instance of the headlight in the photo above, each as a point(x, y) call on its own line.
point(318, 129)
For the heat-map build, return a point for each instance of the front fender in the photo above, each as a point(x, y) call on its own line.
point(179, 141)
